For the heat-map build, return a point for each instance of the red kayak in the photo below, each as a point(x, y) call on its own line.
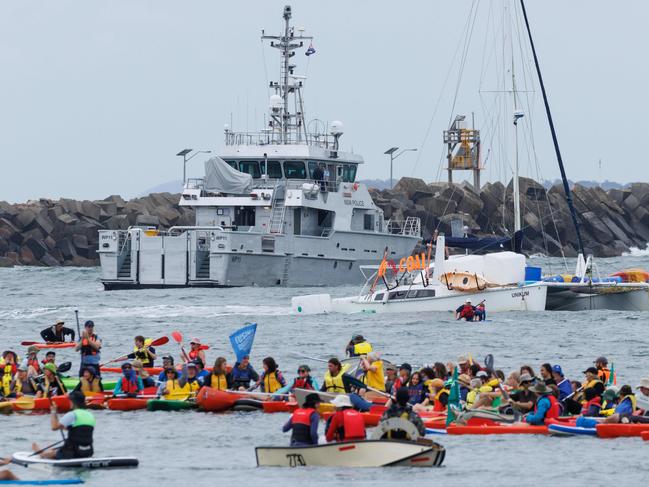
point(616, 430)
point(645, 435)
point(150, 370)
point(43, 404)
point(127, 403)
point(209, 399)
point(41, 346)
point(500, 429)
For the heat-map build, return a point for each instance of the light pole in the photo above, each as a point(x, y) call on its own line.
point(391, 152)
point(184, 154)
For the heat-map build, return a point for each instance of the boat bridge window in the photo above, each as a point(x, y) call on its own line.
point(312, 166)
point(295, 170)
point(233, 164)
point(250, 167)
point(244, 216)
point(368, 221)
point(274, 169)
point(349, 173)
point(378, 297)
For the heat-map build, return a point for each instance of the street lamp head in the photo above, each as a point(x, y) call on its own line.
point(184, 152)
point(391, 150)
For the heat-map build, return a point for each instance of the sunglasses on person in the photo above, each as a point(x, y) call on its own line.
point(127, 367)
point(302, 371)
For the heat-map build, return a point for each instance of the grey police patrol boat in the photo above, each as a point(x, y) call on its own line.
point(279, 207)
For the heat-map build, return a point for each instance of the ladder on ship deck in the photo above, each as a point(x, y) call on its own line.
point(278, 211)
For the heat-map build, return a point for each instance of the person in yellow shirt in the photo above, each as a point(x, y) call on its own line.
point(373, 375)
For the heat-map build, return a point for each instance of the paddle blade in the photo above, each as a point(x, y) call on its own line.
point(24, 402)
point(26, 344)
point(160, 341)
point(64, 367)
point(204, 347)
point(177, 336)
point(489, 362)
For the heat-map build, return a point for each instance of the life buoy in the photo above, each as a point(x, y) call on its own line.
point(392, 424)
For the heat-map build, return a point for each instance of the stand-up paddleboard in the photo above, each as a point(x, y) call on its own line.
point(42, 482)
point(26, 458)
point(570, 430)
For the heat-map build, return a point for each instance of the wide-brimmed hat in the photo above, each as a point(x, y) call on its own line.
point(59, 322)
point(33, 349)
point(540, 388)
point(195, 340)
point(644, 382)
point(342, 401)
point(525, 378)
point(462, 360)
point(464, 380)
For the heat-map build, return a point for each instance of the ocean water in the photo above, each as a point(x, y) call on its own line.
point(210, 449)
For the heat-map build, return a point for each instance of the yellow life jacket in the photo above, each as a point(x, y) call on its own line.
point(441, 391)
point(174, 391)
point(592, 383)
point(271, 384)
point(87, 386)
point(375, 378)
point(335, 384)
point(471, 397)
point(7, 376)
point(362, 348)
point(218, 382)
point(142, 355)
point(634, 404)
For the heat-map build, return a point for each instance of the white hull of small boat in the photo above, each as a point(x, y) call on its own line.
point(366, 453)
point(510, 298)
point(300, 395)
point(574, 297)
point(26, 459)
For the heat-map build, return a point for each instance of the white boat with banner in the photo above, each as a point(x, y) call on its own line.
point(498, 279)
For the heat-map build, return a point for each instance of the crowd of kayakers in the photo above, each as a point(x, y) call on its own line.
point(359, 380)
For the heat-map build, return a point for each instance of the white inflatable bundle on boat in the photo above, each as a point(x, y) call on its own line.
point(311, 304)
point(504, 268)
point(473, 264)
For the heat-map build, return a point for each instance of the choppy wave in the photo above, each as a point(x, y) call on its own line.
point(637, 252)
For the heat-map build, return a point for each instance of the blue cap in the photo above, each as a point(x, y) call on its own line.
point(557, 370)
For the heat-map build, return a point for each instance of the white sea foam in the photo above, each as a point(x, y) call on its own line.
point(636, 252)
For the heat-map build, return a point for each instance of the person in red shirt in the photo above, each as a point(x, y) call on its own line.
point(346, 424)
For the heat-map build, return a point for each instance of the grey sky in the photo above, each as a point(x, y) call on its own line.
point(97, 97)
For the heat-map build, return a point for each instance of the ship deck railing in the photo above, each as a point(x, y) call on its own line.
point(274, 137)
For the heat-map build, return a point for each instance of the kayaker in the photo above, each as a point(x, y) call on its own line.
point(220, 379)
point(147, 380)
point(372, 367)
point(50, 358)
point(603, 372)
point(523, 399)
point(57, 333)
point(90, 346)
point(167, 362)
point(627, 402)
point(347, 423)
point(8, 368)
point(143, 351)
point(358, 346)
point(609, 401)
point(52, 383)
point(546, 375)
point(480, 311)
point(23, 384)
point(201, 373)
point(405, 369)
point(31, 360)
point(593, 381)
point(79, 424)
point(465, 311)
point(464, 382)
point(89, 383)
point(565, 388)
point(243, 374)
point(195, 350)
point(436, 398)
point(401, 409)
point(304, 422)
point(546, 406)
point(415, 388)
point(640, 415)
point(390, 376)
point(464, 366)
point(171, 388)
point(190, 377)
point(337, 380)
point(592, 403)
point(129, 385)
point(271, 379)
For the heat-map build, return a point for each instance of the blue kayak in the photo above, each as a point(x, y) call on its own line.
point(569, 430)
point(42, 482)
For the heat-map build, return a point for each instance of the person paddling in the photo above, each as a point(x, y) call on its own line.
point(57, 333)
point(303, 424)
point(80, 425)
point(195, 351)
point(347, 424)
point(143, 351)
point(465, 311)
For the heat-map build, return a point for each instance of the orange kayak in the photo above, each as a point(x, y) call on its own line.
point(616, 430)
point(209, 399)
point(42, 346)
point(150, 370)
point(127, 404)
point(43, 404)
point(645, 435)
point(501, 429)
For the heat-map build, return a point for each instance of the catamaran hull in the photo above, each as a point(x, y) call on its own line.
point(514, 298)
point(367, 453)
point(579, 299)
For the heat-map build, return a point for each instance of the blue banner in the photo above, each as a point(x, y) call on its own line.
point(242, 339)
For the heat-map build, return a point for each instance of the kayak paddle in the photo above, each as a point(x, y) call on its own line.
point(23, 402)
point(155, 343)
point(178, 338)
point(64, 367)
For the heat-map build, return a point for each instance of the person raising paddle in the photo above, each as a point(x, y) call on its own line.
point(143, 351)
point(79, 424)
point(195, 351)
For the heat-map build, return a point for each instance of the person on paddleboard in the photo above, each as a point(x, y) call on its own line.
point(79, 424)
point(347, 424)
point(57, 333)
point(304, 422)
point(90, 346)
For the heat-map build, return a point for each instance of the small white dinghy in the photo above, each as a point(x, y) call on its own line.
point(365, 453)
point(27, 458)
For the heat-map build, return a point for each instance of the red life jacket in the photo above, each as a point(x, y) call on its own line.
point(193, 354)
point(555, 408)
point(302, 426)
point(86, 349)
point(129, 387)
point(34, 364)
point(597, 401)
point(354, 425)
point(467, 311)
point(301, 383)
point(302, 416)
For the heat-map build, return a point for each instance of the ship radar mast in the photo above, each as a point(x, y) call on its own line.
point(289, 127)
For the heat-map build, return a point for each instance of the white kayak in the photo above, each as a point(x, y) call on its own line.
point(365, 453)
point(26, 458)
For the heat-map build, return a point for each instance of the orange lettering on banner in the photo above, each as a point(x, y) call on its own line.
point(410, 264)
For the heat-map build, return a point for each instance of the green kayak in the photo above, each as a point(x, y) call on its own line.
point(168, 405)
point(71, 382)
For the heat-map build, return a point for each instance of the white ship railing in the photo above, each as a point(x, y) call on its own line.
point(410, 226)
point(269, 137)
